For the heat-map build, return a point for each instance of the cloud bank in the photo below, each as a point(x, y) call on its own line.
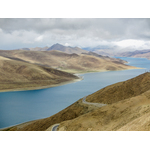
point(122, 33)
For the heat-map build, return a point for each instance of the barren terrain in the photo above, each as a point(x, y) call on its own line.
point(137, 53)
point(73, 63)
point(17, 75)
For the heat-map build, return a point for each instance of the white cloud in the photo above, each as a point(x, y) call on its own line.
point(27, 42)
point(129, 42)
point(133, 44)
point(39, 38)
point(1, 30)
point(67, 44)
point(122, 33)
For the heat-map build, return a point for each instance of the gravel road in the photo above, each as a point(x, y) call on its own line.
point(54, 128)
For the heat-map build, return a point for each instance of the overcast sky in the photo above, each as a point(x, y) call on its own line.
point(119, 33)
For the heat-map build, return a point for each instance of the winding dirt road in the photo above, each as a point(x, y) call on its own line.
point(54, 128)
point(95, 104)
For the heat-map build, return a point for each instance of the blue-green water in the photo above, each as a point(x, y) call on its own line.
point(23, 106)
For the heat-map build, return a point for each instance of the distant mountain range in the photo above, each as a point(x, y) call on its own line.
point(101, 50)
point(57, 46)
point(137, 53)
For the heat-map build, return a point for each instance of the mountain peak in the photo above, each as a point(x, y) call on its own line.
point(66, 49)
point(56, 46)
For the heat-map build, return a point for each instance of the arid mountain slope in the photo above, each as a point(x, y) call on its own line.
point(116, 116)
point(16, 74)
point(128, 113)
point(140, 124)
point(106, 57)
point(121, 90)
point(71, 112)
point(137, 53)
point(73, 63)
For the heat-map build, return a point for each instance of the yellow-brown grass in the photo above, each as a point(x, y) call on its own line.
point(121, 90)
point(122, 115)
point(16, 74)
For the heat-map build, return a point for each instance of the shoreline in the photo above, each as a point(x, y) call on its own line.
point(65, 82)
point(43, 87)
point(19, 125)
point(109, 70)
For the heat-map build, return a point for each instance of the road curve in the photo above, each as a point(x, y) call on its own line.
point(55, 126)
point(95, 104)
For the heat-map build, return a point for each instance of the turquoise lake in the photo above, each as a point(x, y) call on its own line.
point(22, 106)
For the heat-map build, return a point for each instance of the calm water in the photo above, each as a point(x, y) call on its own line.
point(22, 106)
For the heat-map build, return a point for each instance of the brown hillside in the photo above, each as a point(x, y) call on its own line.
point(71, 112)
point(128, 114)
point(73, 63)
point(121, 90)
point(128, 108)
point(16, 74)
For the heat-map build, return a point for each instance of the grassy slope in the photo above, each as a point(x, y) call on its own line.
point(125, 110)
point(121, 90)
point(120, 114)
point(117, 116)
point(16, 74)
